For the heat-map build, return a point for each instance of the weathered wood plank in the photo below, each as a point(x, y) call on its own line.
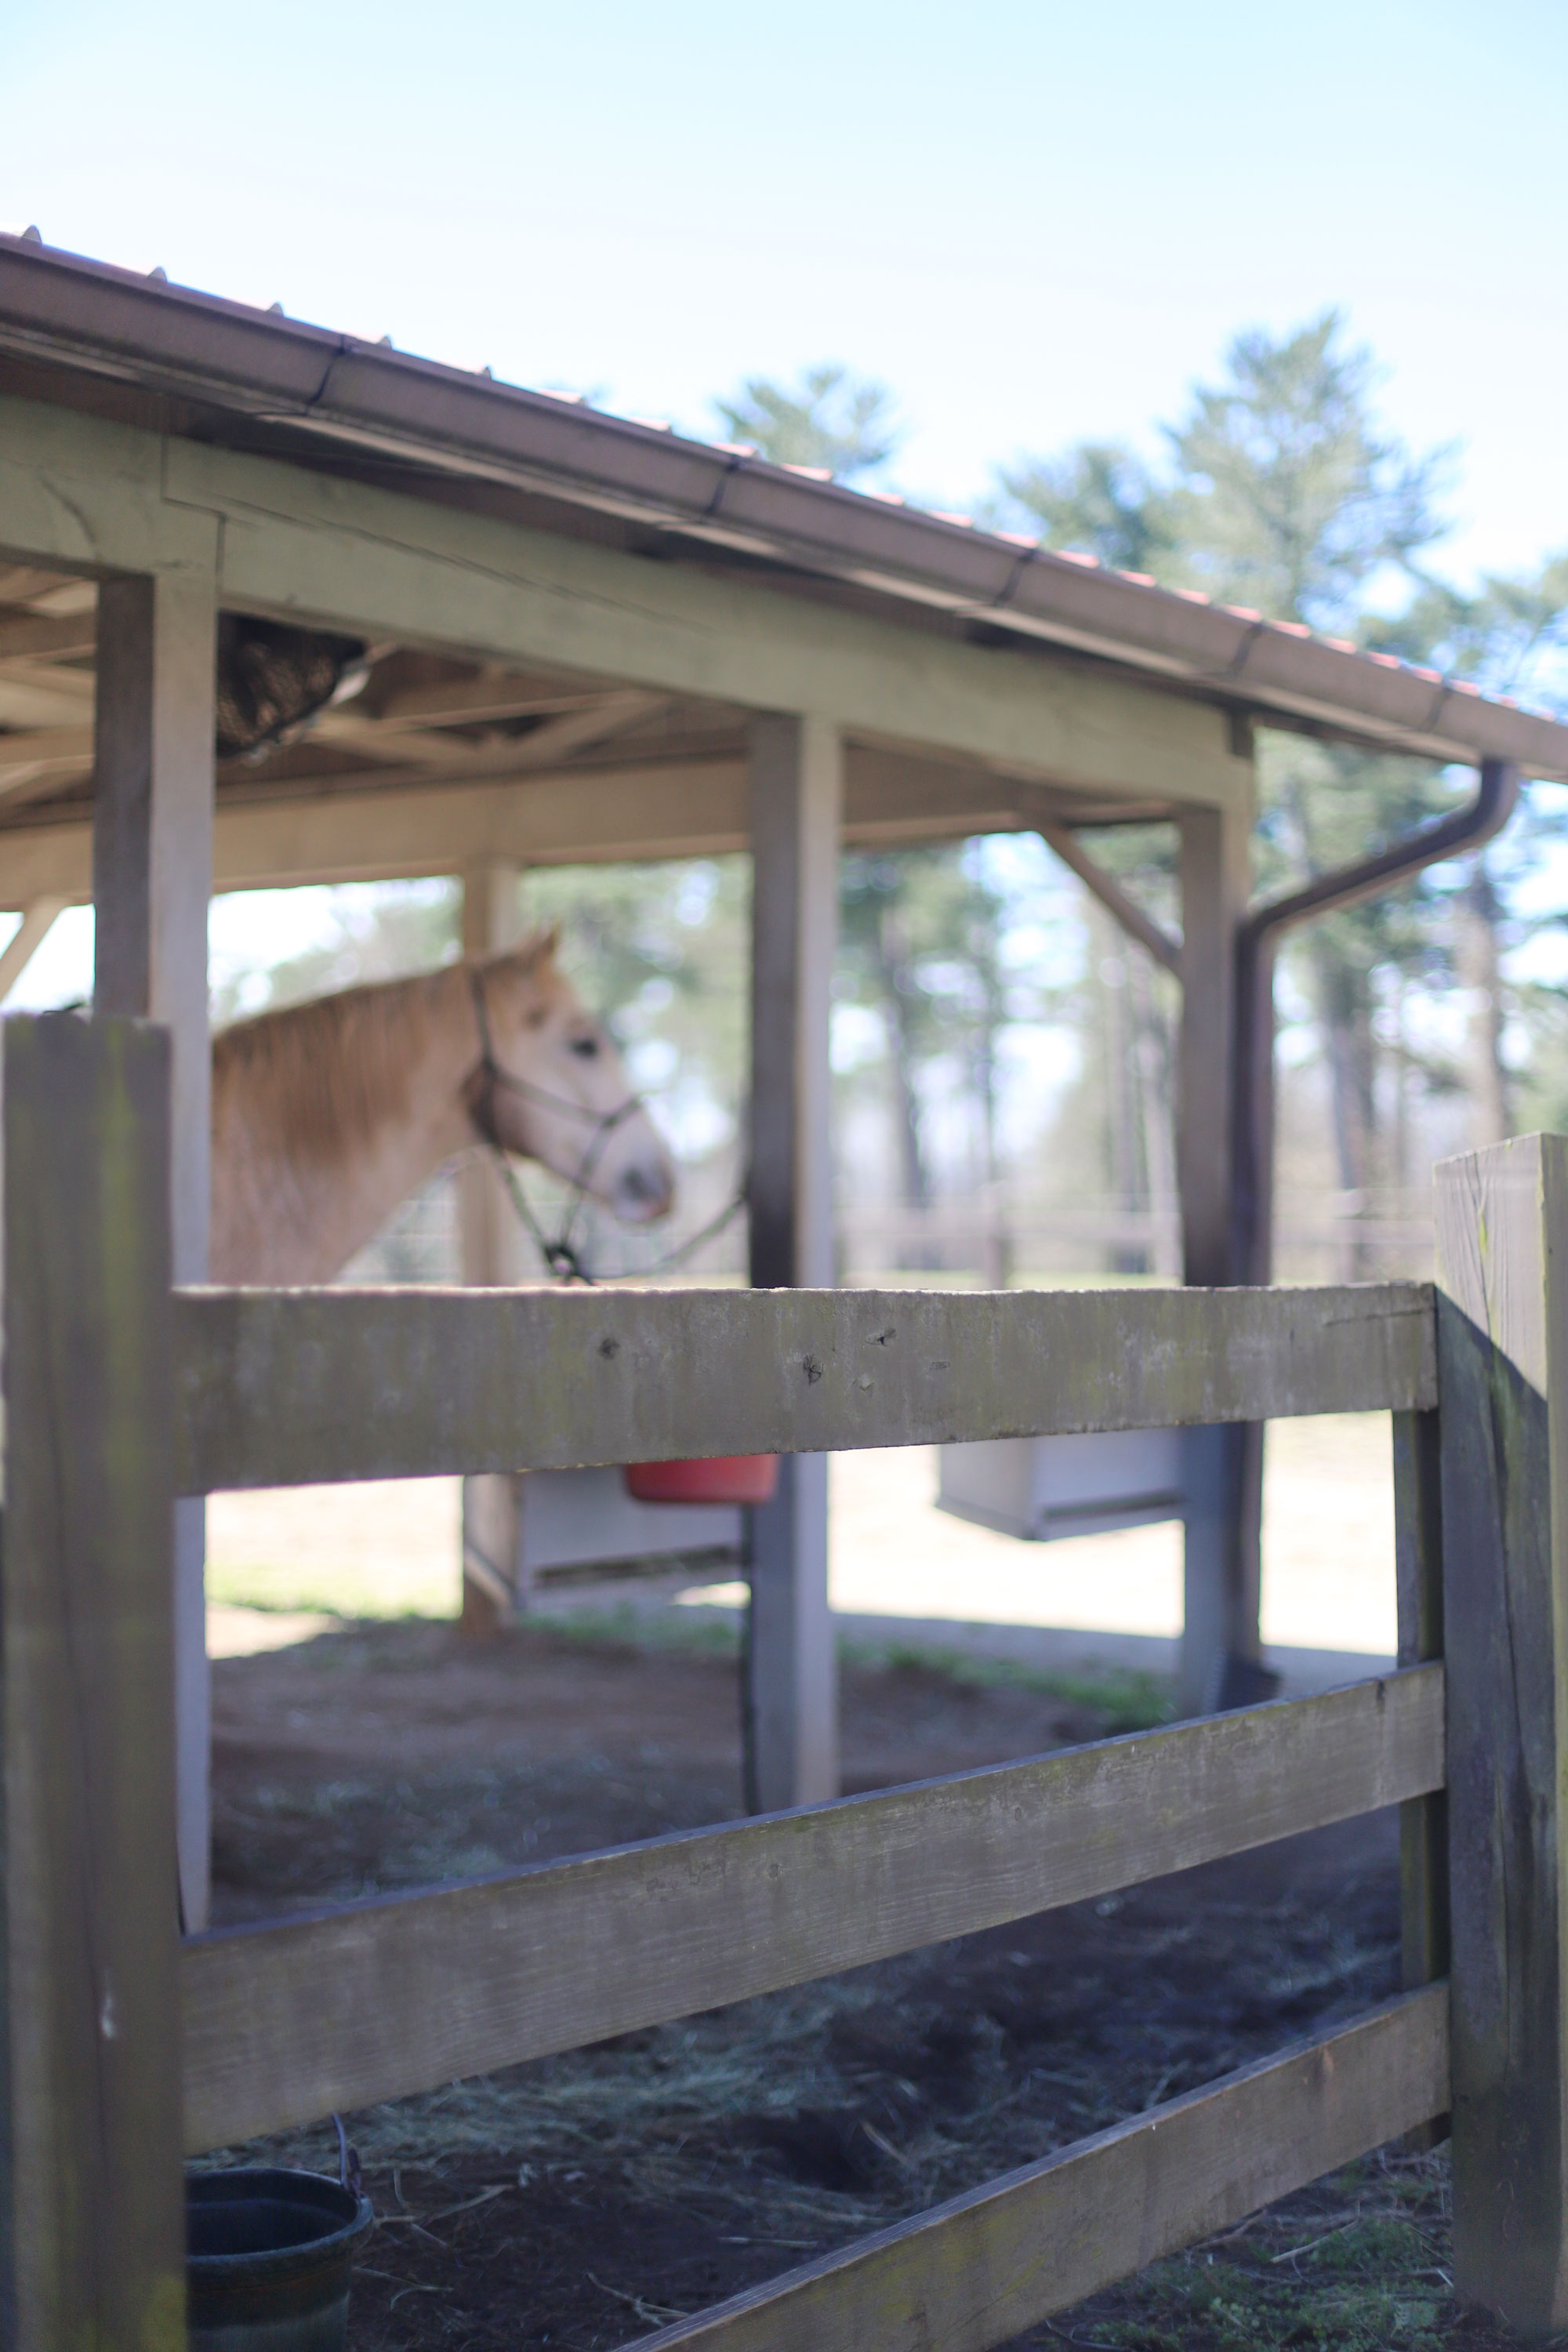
point(92, 2219)
point(404, 567)
point(979, 2270)
point(77, 490)
point(789, 1679)
point(611, 812)
point(152, 825)
point(495, 1579)
point(1502, 1223)
point(1215, 882)
point(1418, 1572)
point(39, 919)
point(285, 1388)
point(1424, 1820)
point(380, 1999)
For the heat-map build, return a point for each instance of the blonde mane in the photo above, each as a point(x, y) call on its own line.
point(324, 1077)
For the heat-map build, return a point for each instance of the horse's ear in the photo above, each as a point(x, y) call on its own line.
point(538, 948)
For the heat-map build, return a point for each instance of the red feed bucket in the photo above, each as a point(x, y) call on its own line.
point(722, 1478)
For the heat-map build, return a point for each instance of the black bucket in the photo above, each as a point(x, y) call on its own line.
point(268, 2258)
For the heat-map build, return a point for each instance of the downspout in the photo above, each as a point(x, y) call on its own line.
point(1245, 1678)
point(1256, 950)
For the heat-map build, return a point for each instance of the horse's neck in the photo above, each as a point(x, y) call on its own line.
point(284, 1214)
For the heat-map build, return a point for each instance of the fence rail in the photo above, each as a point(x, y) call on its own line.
point(381, 1999)
point(287, 1388)
point(104, 1396)
point(979, 2270)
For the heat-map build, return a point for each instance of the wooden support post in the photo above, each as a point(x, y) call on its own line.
point(493, 1576)
point(1423, 1820)
point(152, 871)
point(1221, 1661)
point(1502, 1338)
point(92, 2219)
point(796, 799)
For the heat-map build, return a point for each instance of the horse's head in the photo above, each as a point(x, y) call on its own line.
point(550, 1084)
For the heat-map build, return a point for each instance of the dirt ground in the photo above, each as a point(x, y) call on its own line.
point(379, 1549)
point(581, 2201)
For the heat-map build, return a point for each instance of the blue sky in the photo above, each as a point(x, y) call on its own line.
point(1034, 222)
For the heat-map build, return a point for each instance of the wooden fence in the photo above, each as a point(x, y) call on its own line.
point(121, 1393)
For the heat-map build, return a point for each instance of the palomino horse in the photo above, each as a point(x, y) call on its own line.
point(327, 1115)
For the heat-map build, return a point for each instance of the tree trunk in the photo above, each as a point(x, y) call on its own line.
point(1477, 956)
point(1346, 1017)
point(898, 986)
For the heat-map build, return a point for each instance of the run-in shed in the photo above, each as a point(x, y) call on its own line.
point(589, 638)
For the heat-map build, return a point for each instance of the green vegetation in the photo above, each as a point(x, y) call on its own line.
point(1359, 2263)
point(1121, 1700)
point(836, 423)
point(345, 1588)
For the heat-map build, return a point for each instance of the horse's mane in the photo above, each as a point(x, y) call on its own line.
point(322, 1078)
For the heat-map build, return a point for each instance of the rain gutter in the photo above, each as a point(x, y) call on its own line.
point(1256, 950)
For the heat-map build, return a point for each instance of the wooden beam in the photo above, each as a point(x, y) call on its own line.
point(420, 572)
point(573, 730)
point(430, 747)
point(1502, 1259)
point(38, 636)
point(403, 748)
point(123, 810)
point(52, 861)
point(28, 584)
point(355, 834)
point(494, 1586)
point(484, 692)
point(1220, 1633)
point(296, 1388)
point(301, 545)
point(380, 1999)
point(797, 797)
point(1165, 950)
point(985, 2267)
point(43, 755)
point(152, 882)
point(37, 921)
point(42, 694)
point(791, 1704)
point(92, 2207)
point(341, 830)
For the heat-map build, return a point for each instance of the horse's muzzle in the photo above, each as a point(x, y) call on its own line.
point(643, 1191)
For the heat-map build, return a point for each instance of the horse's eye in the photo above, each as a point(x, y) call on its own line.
point(586, 1048)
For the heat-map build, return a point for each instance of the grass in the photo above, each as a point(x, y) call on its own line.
point(346, 1588)
point(1358, 2264)
point(1122, 1700)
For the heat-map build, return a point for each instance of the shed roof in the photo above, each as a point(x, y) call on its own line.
point(109, 338)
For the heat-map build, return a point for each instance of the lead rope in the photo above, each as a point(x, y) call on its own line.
point(561, 1255)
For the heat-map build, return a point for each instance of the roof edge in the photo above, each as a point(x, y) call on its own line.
point(73, 312)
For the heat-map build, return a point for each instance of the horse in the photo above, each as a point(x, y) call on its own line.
point(327, 1115)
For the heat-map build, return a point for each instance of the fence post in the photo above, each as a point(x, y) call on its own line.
point(92, 2222)
point(790, 1701)
point(1423, 1820)
point(495, 1582)
point(1502, 1260)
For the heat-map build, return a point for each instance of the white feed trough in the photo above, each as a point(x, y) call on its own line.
point(1043, 1488)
